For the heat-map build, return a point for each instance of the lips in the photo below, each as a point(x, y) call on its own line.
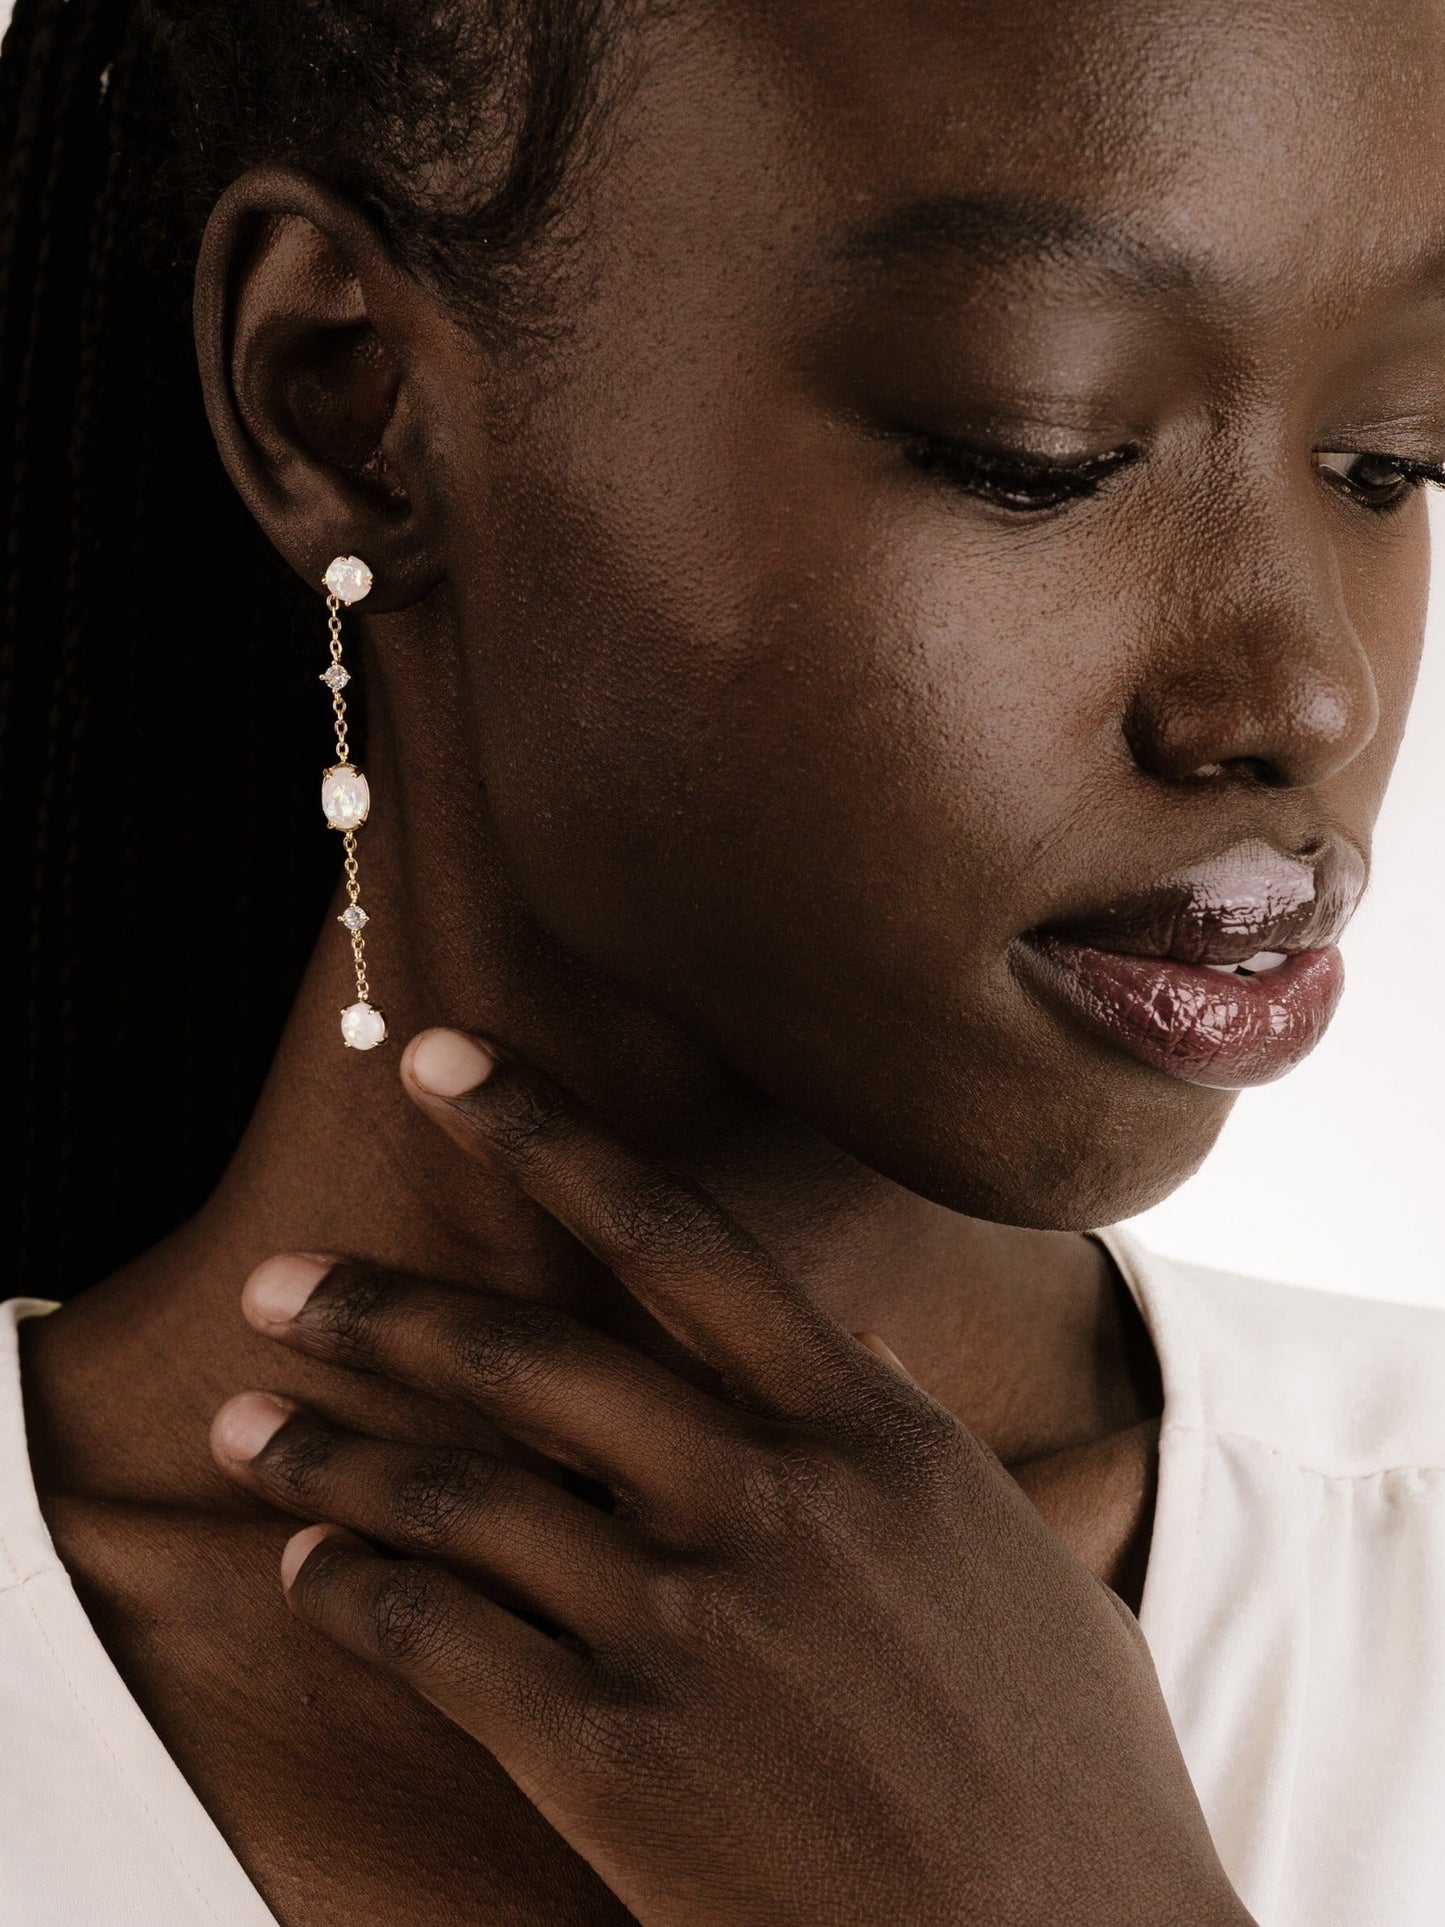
point(1226, 976)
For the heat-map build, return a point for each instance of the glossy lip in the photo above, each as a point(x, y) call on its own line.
point(1225, 1033)
point(1134, 970)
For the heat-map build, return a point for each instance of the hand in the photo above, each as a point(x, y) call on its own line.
point(818, 1660)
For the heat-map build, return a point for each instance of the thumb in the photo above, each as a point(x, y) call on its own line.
point(871, 1342)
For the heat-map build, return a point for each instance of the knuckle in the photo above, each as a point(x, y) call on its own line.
point(920, 1438)
point(797, 1491)
point(641, 1740)
point(436, 1495)
point(701, 1606)
point(298, 1458)
point(658, 1746)
point(522, 1118)
point(620, 1727)
point(499, 1349)
point(347, 1309)
point(906, 1441)
point(599, 1731)
point(659, 1210)
point(406, 1621)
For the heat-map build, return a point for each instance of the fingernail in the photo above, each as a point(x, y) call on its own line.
point(873, 1343)
point(276, 1290)
point(245, 1424)
point(448, 1064)
point(301, 1545)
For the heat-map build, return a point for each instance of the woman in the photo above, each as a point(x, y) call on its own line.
point(890, 552)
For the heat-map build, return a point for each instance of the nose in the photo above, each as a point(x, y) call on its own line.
point(1269, 682)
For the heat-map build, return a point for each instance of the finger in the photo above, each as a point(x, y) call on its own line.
point(488, 1672)
point(870, 1341)
point(545, 1548)
point(676, 1250)
point(577, 1395)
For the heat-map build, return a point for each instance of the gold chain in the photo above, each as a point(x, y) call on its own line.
point(348, 841)
point(338, 701)
point(353, 894)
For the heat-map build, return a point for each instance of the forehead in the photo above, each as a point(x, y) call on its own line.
point(1298, 144)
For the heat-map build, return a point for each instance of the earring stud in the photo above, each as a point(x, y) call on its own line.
point(346, 801)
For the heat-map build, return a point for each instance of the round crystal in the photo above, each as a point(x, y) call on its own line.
point(354, 917)
point(335, 678)
point(362, 1026)
point(348, 578)
point(345, 797)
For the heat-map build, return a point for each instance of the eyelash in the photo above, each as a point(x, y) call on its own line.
point(1019, 483)
point(1022, 485)
point(1409, 476)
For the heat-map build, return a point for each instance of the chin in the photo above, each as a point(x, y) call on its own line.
point(1071, 1166)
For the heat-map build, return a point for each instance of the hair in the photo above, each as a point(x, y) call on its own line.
point(160, 881)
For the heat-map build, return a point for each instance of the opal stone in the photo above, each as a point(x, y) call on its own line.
point(345, 797)
point(362, 1026)
point(348, 578)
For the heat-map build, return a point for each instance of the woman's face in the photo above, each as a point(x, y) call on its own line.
point(946, 510)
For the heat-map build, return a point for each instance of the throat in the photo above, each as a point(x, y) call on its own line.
point(1100, 1500)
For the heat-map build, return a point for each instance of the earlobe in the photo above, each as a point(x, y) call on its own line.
point(305, 334)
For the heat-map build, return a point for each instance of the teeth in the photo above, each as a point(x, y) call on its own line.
point(1262, 960)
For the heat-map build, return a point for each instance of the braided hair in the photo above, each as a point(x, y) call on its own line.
point(159, 890)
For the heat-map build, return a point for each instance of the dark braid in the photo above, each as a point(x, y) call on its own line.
point(159, 890)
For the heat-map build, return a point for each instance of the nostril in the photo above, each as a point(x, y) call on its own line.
point(1251, 769)
point(1183, 742)
point(1166, 746)
point(1266, 717)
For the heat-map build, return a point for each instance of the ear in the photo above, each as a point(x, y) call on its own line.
point(308, 337)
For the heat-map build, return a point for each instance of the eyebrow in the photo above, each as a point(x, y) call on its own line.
point(1006, 231)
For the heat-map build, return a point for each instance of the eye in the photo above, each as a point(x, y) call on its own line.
point(1376, 481)
point(1014, 480)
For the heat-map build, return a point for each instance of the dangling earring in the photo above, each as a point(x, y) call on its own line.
point(346, 799)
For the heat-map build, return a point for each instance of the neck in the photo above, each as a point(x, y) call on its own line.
point(1022, 1333)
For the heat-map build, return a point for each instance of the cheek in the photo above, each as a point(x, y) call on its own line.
point(855, 762)
point(797, 763)
point(1386, 593)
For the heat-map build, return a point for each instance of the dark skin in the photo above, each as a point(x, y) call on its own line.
point(723, 751)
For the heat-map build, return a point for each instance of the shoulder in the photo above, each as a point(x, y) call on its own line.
point(1348, 1386)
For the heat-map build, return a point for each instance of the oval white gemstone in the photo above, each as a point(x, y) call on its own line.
point(362, 1026)
point(348, 578)
point(345, 797)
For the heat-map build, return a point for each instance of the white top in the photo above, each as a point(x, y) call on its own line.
point(1294, 1604)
